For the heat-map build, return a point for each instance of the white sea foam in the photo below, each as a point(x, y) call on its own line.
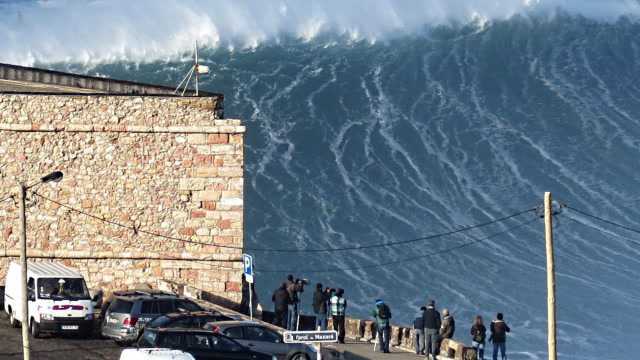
point(103, 31)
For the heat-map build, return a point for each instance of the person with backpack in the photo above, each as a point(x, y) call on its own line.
point(338, 311)
point(478, 336)
point(382, 316)
point(431, 320)
point(499, 330)
point(418, 327)
point(320, 307)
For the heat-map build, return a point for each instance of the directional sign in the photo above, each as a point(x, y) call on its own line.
point(292, 337)
point(248, 267)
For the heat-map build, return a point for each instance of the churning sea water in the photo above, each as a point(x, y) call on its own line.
point(355, 142)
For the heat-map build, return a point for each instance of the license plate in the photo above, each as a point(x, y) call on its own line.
point(69, 327)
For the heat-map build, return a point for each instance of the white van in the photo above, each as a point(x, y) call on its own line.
point(59, 300)
point(154, 354)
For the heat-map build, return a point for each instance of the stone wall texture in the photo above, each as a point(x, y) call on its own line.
point(161, 164)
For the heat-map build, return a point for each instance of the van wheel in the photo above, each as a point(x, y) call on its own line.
point(34, 329)
point(12, 320)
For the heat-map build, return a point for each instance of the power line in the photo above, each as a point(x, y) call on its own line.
point(636, 242)
point(603, 220)
point(402, 242)
point(133, 228)
point(405, 260)
point(360, 247)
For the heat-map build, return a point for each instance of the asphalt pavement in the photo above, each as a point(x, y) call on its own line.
point(54, 347)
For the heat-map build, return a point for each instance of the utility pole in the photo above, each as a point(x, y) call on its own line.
point(55, 176)
point(23, 280)
point(551, 276)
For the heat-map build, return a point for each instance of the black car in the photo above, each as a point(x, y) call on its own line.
point(201, 344)
point(187, 320)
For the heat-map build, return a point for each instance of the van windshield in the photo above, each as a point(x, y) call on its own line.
point(63, 289)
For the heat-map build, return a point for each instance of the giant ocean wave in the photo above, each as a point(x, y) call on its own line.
point(353, 141)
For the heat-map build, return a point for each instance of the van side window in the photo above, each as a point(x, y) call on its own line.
point(31, 286)
point(149, 307)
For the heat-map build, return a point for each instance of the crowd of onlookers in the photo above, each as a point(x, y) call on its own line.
point(327, 303)
point(430, 326)
point(431, 329)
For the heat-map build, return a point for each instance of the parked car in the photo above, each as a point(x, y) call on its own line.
point(127, 312)
point(154, 354)
point(58, 299)
point(187, 320)
point(201, 344)
point(263, 338)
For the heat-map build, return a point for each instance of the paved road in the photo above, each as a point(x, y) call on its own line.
point(54, 347)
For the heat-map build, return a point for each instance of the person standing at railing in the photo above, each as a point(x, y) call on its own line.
point(382, 316)
point(478, 336)
point(280, 300)
point(447, 328)
point(418, 327)
point(320, 298)
point(431, 318)
point(499, 330)
point(338, 311)
point(292, 317)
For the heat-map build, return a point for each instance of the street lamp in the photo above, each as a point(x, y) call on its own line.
point(55, 176)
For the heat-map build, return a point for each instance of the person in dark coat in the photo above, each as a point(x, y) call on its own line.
point(431, 320)
point(448, 326)
point(280, 300)
point(244, 303)
point(418, 327)
point(320, 298)
point(293, 302)
point(478, 336)
point(499, 330)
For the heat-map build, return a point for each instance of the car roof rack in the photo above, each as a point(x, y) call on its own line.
point(136, 292)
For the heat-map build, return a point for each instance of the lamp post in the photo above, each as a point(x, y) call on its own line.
point(53, 177)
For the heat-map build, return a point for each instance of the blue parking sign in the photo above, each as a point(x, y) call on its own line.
point(248, 267)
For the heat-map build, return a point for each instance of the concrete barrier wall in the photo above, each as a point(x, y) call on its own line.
point(404, 338)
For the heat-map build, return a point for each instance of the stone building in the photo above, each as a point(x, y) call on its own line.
point(133, 154)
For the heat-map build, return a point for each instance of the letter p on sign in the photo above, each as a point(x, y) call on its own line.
point(248, 267)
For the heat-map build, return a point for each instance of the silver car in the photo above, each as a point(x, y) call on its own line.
point(263, 338)
point(128, 311)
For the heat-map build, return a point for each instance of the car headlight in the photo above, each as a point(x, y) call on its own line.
point(273, 357)
point(89, 317)
point(46, 316)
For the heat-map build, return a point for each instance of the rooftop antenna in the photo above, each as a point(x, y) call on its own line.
point(196, 69)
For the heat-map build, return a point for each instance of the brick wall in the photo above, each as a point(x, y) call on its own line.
point(162, 164)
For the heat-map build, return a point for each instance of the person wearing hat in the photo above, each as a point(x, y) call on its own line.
point(447, 328)
point(431, 321)
point(382, 315)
